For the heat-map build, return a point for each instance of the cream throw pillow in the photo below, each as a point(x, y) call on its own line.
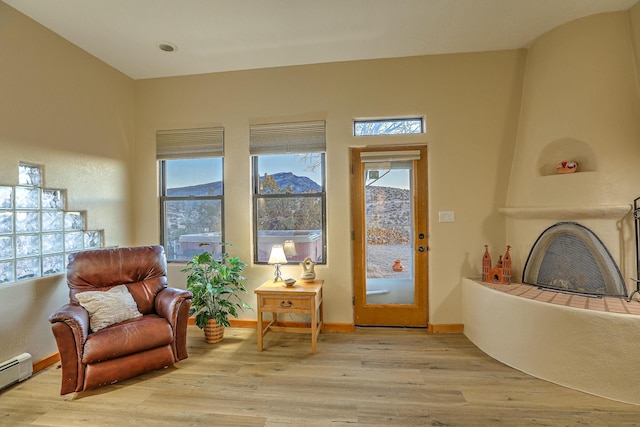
point(106, 308)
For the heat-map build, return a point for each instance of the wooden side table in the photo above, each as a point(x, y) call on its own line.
point(302, 297)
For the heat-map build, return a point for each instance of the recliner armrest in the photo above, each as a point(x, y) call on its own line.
point(76, 317)
point(70, 326)
point(174, 304)
point(168, 302)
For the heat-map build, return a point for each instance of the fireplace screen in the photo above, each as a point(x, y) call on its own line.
point(569, 257)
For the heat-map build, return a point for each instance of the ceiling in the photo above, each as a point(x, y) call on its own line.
point(226, 35)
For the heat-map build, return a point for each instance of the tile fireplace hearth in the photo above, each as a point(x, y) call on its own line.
point(607, 304)
point(584, 343)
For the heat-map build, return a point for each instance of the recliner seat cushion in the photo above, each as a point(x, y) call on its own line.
point(131, 336)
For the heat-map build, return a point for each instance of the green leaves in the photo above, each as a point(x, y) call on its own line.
point(215, 286)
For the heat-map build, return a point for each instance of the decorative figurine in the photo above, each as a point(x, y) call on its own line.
point(308, 274)
point(568, 166)
point(501, 273)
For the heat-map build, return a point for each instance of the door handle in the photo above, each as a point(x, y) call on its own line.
point(286, 304)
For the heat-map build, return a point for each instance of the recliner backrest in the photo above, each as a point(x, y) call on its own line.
point(143, 269)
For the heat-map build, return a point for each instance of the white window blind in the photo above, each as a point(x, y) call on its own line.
point(190, 143)
point(389, 156)
point(284, 138)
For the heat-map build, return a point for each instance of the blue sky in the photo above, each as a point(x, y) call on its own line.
point(398, 178)
point(183, 173)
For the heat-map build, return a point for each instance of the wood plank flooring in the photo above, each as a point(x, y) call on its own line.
point(371, 377)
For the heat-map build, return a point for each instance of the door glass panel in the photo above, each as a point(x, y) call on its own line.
point(389, 231)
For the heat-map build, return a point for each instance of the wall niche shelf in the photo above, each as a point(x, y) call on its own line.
point(566, 149)
point(37, 233)
point(563, 175)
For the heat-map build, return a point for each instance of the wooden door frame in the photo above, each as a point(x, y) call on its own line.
point(421, 299)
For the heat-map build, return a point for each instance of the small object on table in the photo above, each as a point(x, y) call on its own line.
point(290, 281)
point(308, 272)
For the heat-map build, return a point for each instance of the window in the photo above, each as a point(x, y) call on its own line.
point(396, 126)
point(36, 233)
point(191, 190)
point(289, 190)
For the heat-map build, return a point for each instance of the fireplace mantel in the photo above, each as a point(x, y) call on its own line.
point(613, 212)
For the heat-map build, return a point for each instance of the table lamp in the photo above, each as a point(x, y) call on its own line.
point(277, 257)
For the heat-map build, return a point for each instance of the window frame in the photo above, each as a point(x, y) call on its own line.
point(257, 196)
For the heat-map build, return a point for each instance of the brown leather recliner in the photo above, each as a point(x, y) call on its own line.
point(123, 350)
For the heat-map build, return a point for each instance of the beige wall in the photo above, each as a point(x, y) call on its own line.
point(580, 93)
point(634, 27)
point(62, 109)
point(580, 102)
point(470, 102)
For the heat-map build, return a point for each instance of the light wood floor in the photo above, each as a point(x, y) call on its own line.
point(375, 377)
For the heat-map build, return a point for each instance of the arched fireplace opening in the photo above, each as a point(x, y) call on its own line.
point(569, 257)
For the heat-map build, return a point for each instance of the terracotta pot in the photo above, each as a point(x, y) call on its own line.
point(213, 332)
point(397, 266)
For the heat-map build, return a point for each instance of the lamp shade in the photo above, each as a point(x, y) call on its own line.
point(277, 255)
point(290, 248)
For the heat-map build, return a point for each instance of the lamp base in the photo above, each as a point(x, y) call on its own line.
point(277, 274)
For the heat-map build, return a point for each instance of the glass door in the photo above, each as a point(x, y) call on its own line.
point(390, 256)
point(388, 221)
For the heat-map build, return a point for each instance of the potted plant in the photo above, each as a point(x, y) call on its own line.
point(215, 285)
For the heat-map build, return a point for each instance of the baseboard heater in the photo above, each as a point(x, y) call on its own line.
point(16, 369)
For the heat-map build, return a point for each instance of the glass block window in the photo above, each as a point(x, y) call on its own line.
point(52, 199)
point(36, 232)
point(29, 174)
point(6, 197)
point(27, 197)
